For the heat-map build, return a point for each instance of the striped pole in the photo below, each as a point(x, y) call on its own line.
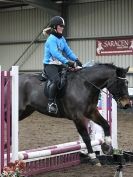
point(54, 150)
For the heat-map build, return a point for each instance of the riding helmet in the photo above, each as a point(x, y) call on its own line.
point(57, 20)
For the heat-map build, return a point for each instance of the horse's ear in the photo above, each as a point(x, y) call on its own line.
point(127, 69)
point(121, 72)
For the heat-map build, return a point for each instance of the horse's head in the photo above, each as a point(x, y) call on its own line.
point(118, 87)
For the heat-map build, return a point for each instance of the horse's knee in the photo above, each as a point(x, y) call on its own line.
point(108, 140)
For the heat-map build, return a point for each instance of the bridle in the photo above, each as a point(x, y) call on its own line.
point(117, 78)
point(117, 95)
point(108, 87)
point(123, 78)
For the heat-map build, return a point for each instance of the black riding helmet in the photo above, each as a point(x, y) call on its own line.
point(52, 26)
point(57, 20)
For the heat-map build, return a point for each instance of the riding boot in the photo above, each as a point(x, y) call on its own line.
point(52, 106)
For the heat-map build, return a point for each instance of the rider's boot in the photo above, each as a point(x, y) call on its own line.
point(52, 106)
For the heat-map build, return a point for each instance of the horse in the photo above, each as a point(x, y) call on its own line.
point(80, 98)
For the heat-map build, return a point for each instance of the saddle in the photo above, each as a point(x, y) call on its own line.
point(42, 76)
point(61, 88)
point(63, 82)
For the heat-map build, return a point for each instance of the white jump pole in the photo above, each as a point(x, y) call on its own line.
point(114, 124)
point(0, 119)
point(104, 103)
point(14, 74)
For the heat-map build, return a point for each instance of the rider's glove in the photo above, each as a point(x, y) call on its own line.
point(78, 63)
point(71, 64)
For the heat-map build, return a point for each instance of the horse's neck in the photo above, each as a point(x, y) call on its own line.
point(99, 78)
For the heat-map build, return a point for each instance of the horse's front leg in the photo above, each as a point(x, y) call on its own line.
point(98, 119)
point(83, 131)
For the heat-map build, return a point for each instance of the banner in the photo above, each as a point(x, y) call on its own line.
point(114, 46)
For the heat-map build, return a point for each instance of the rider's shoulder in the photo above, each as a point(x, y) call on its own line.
point(63, 38)
point(51, 38)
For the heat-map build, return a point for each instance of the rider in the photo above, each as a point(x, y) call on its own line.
point(54, 50)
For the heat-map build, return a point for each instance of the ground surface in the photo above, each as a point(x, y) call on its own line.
point(39, 131)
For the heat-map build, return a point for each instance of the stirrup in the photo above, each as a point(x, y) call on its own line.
point(52, 108)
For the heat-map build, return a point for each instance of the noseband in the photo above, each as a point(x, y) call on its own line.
point(123, 78)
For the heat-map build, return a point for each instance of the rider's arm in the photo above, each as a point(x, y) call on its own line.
point(53, 48)
point(69, 52)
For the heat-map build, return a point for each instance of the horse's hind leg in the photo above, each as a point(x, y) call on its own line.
point(83, 131)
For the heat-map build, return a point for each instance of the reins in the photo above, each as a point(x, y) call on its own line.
point(97, 87)
point(103, 90)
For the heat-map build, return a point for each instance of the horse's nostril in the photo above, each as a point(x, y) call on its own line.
point(127, 106)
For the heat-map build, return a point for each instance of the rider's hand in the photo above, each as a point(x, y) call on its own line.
point(78, 63)
point(71, 64)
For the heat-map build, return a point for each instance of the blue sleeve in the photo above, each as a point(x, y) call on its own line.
point(69, 52)
point(55, 52)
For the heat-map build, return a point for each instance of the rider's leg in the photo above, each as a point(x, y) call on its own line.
point(52, 72)
point(52, 91)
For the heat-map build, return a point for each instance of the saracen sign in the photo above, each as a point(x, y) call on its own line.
point(114, 46)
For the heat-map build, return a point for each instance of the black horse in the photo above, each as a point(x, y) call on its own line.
point(80, 99)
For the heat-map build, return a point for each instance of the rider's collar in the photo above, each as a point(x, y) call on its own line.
point(58, 35)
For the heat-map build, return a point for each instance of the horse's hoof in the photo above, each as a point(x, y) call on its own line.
point(98, 164)
point(107, 149)
point(95, 162)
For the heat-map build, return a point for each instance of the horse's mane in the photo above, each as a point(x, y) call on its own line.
point(120, 72)
point(108, 65)
point(96, 66)
point(100, 65)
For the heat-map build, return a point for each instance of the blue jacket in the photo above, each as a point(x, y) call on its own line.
point(54, 49)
